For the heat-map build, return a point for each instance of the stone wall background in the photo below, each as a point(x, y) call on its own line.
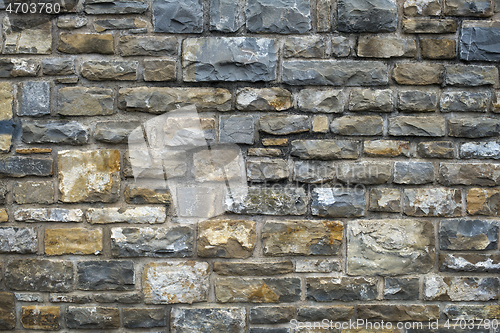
point(369, 130)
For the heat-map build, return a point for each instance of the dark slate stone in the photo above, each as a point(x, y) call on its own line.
point(278, 16)
point(7, 311)
point(269, 330)
point(176, 16)
point(344, 289)
point(114, 131)
point(3, 193)
point(469, 262)
point(414, 173)
point(479, 41)
point(63, 132)
point(463, 234)
point(105, 275)
point(465, 101)
point(317, 313)
point(335, 202)
point(92, 317)
point(237, 129)
point(401, 288)
point(18, 166)
point(115, 7)
point(124, 298)
point(367, 15)
point(144, 317)
point(208, 320)
point(335, 72)
point(39, 275)
point(58, 66)
point(35, 98)
point(473, 127)
point(226, 15)
point(271, 314)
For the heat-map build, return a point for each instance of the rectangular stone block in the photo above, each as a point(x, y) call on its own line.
point(7, 311)
point(418, 100)
point(476, 263)
point(110, 70)
point(335, 73)
point(41, 317)
point(34, 99)
point(140, 195)
point(433, 126)
point(432, 202)
point(144, 317)
point(467, 75)
point(385, 200)
point(481, 201)
point(477, 127)
point(76, 43)
point(144, 214)
point(353, 16)
point(282, 17)
point(18, 240)
point(73, 241)
point(85, 101)
point(478, 8)
point(258, 268)
point(438, 48)
point(328, 289)
point(148, 242)
point(401, 288)
point(257, 290)
point(39, 275)
point(173, 16)
point(325, 149)
point(214, 319)
point(60, 132)
point(33, 192)
point(134, 25)
point(303, 237)
point(105, 275)
point(476, 39)
point(358, 125)
point(271, 314)
point(457, 289)
point(414, 173)
point(418, 74)
point(313, 172)
point(158, 46)
point(367, 254)
point(237, 129)
point(386, 148)
point(22, 38)
point(398, 312)
point(422, 7)
point(13, 67)
point(467, 234)
point(18, 166)
point(386, 47)
point(226, 15)
point(304, 47)
point(428, 26)
point(334, 202)
point(284, 125)
point(114, 131)
point(58, 66)
point(160, 70)
point(453, 101)
point(266, 99)
point(371, 100)
point(318, 313)
point(320, 100)
point(480, 150)
point(268, 201)
point(472, 312)
point(48, 215)
point(482, 174)
point(226, 238)
point(436, 149)
point(115, 7)
point(92, 317)
point(229, 59)
point(365, 172)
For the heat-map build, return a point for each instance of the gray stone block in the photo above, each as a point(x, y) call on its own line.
point(464, 234)
point(178, 16)
point(237, 129)
point(63, 132)
point(278, 16)
point(367, 15)
point(479, 40)
point(34, 99)
point(105, 275)
point(226, 15)
point(338, 202)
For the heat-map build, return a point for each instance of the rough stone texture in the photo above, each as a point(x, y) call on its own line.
point(317, 313)
point(148, 242)
point(61, 132)
point(332, 202)
point(267, 99)
point(175, 282)
point(48, 215)
point(41, 317)
point(114, 131)
point(7, 311)
point(480, 127)
point(57, 66)
point(462, 75)
point(19, 67)
point(105, 275)
point(90, 176)
point(76, 43)
point(139, 195)
point(482, 174)
point(18, 240)
point(432, 26)
point(464, 234)
point(460, 288)
point(284, 125)
point(483, 201)
point(320, 124)
point(159, 70)
point(21, 37)
point(18, 166)
point(401, 288)
point(92, 317)
point(435, 149)
point(39, 275)
point(320, 100)
point(33, 192)
point(226, 15)
point(327, 289)
point(313, 171)
point(267, 169)
point(385, 200)
point(386, 47)
point(477, 263)
point(143, 214)
point(110, 70)
point(471, 312)
point(468, 8)
point(73, 241)
point(237, 129)
point(414, 173)
point(208, 319)
point(34, 99)
point(268, 201)
point(479, 48)
point(304, 47)
point(82, 101)
point(370, 100)
point(144, 317)
point(390, 247)
point(302, 237)
point(480, 150)
point(438, 48)
point(418, 100)
point(147, 46)
point(239, 59)
point(115, 7)
point(367, 15)
point(257, 290)
point(271, 314)
point(398, 312)
point(253, 268)
point(282, 16)
point(418, 74)
point(119, 24)
point(325, 149)
point(366, 172)
point(386, 148)
point(422, 7)
point(433, 126)
point(453, 101)
point(178, 17)
point(226, 238)
point(432, 202)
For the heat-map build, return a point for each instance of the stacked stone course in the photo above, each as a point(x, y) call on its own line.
point(369, 131)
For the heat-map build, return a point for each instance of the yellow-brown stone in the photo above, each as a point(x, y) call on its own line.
point(85, 43)
point(40, 317)
point(4, 216)
point(275, 142)
point(33, 151)
point(73, 241)
point(5, 101)
point(483, 201)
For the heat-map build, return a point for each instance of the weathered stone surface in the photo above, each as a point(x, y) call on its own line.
point(284, 125)
point(208, 320)
point(401, 288)
point(123, 298)
point(371, 100)
point(435, 149)
point(325, 149)
point(120, 24)
point(267, 169)
point(432, 202)
point(73, 241)
point(429, 26)
point(238, 59)
point(467, 75)
point(304, 237)
point(257, 290)
point(478, 8)
point(482, 174)
point(418, 100)
point(476, 39)
point(398, 312)
point(148, 242)
point(267, 99)
point(158, 99)
point(92, 317)
point(7, 311)
point(41, 317)
point(418, 74)
point(39, 275)
point(414, 173)
point(282, 142)
point(89, 176)
point(237, 129)
point(464, 234)
point(323, 15)
point(29, 297)
point(480, 150)
point(317, 266)
point(226, 15)
point(34, 99)
point(264, 152)
point(452, 101)
point(253, 268)
point(320, 100)
point(58, 66)
point(335, 73)
point(472, 312)
point(483, 201)
point(271, 314)
point(357, 125)
point(139, 195)
point(390, 247)
point(477, 263)
point(144, 317)
point(177, 17)
point(438, 48)
point(33, 192)
point(159, 70)
point(477, 127)
point(69, 298)
point(175, 282)
point(334, 202)
point(217, 165)
point(341, 46)
point(318, 313)
point(304, 47)
point(61, 132)
point(71, 22)
point(18, 166)
point(147, 46)
point(386, 47)
point(114, 131)
point(83, 101)
point(110, 70)
point(226, 238)
point(4, 215)
point(13, 67)
point(48, 215)
point(367, 16)
point(433, 126)
point(460, 288)
point(283, 16)
point(105, 275)
point(24, 37)
point(386, 148)
point(76, 43)
point(143, 214)
point(327, 289)
point(28, 151)
point(313, 171)
point(6, 98)
point(269, 201)
point(18, 240)
point(385, 200)
point(365, 172)
point(422, 7)
point(320, 124)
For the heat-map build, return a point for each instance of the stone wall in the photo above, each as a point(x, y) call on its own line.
point(368, 131)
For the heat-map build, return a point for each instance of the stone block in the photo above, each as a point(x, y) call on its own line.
point(266, 99)
point(465, 101)
point(144, 317)
point(335, 202)
point(413, 173)
point(481, 174)
point(386, 148)
point(73, 241)
point(467, 75)
point(18, 240)
point(174, 16)
point(267, 169)
point(476, 39)
point(477, 127)
point(418, 100)
point(313, 171)
point(325, 149)
point(438, 48)
point(48, 215)
point(58, 66)
point(318, 313)
point(269, 201)
point(110, 70)
point(114, 131)
point(320, 100)
point(92, 317)
point(397, 312)
point(422, 7)
point(476, 262)
point(482, 201)
point(157, 46)
point(60, 132)
point(371, 100)
point(365, 172)
point(436, 149)
point(77, 43)
point(386, 47)
point(115, 6)
point(304, 47)
point(480, 150)
point(253, 268)
point(385, 200)
point(433, 126)
point(281, 16)
point(21, 37)
point(121, 24)
point(257, 290)
point(428, 26)
point(472, 312)
point(418, 74)
point(367, 15)
point(19, 166)
point(160, 70)
point(284, 125)
point(455, 289)
point(34, 99)
point(432, 202)
point(85, 101)
point(105, 275)
point(140, 195)
point(477, 8)
point(396, 288)
point(39, 275)
point(33, 192)
point(208, 319)
point(226, 15)
point(41, 317)
point(271, 314)
point(143, 214)
point(7, 310)
point(466, 234)
point(346, 289)
point(226, 238)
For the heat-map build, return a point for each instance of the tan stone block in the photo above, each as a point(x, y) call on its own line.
point(40, 317)
point(73, 241)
